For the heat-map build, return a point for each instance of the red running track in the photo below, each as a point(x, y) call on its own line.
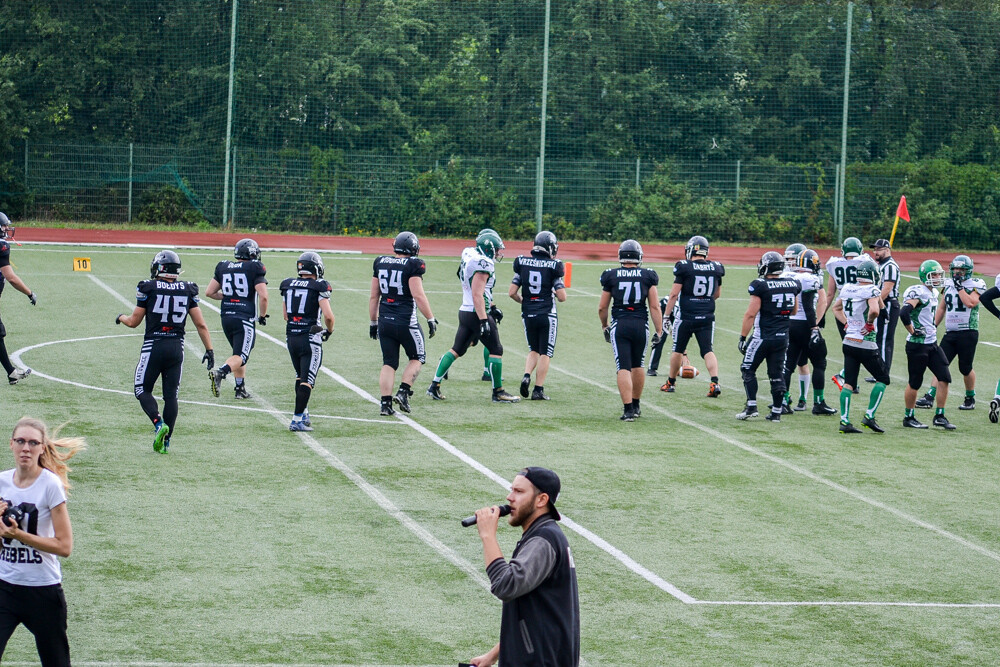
point(986, 263)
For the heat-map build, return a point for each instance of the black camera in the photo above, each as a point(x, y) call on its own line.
point(13, 514)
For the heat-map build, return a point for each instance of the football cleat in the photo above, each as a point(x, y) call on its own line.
point(525, 385)
point(968, 404)
point(501, 396)
point(800, 406)
point(299, 425)
point(848, 427)
point(869, 422)
point(305, 418)
point(651, 371)
point(942, 421)
point(434, 391)
point(162, 431)
point(539, 395)
point(926, 402)
point(668, 387)
point(17, 375)
point(166, 446)
point(870, 380)
point(786, 409)
point(402, 399)
point(838, 380)
point(911, 422)
point(714, 390)
point(773, 417)
point(627, 415)
point(486, 377)
point(995, 409)
point(749, 412)
point(241, 391)
point(215, 377)
point(387, 410)
point(822, 408)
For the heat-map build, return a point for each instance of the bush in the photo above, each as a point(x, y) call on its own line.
point(167, 205)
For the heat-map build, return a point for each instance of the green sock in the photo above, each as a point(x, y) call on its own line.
point(496, 371)
point(818, 396)
point(875, 399)
point(788, 397)
point(938, 411)
point(997, 393)
point(845, 405)
point(910, 412)
point(447, 359)
point(970, 393)
point(486, 360)
point(932, 391)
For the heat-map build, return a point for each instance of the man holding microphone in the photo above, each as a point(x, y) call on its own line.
point(541, 604)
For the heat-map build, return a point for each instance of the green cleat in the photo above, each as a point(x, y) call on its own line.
point(159, 440)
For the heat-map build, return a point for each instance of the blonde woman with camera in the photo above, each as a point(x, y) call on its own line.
point(35, 530)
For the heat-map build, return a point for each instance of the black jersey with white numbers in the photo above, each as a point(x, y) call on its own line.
point(629, 287)
point(302, 297)
point(393, 275)
point(238, 280)
point(167, 306)
point(537, 278)
point(698, 280)
point(777, 303)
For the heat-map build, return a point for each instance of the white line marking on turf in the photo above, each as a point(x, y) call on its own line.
point(146, 663)
point(848, 603)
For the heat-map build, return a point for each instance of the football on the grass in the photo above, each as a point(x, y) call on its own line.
point(689, 372)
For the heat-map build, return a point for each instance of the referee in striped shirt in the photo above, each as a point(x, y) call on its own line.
point(888, 317)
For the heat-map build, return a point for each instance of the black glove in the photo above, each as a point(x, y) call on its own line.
point(822, 321)
point(815, 337)
point(918, 332)
point(373, 329)
point(33, 299)
point(607, 334)
point(325, 336)
point(655, 340)
point(484, 329)
point(742, 345)
point(209, 359)
point(432, 327)
point(118, 318)
point(496, 313)
point(958, 284)
point(262, 320)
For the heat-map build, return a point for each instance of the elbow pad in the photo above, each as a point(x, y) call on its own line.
point(904, 314)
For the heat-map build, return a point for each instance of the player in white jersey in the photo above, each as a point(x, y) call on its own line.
point(958, 307)
point(857, 308)
point(476, 320)
point(842, 270)
point(922, 351)
point(36, 531)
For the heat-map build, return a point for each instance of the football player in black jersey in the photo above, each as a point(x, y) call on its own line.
point(627, 291)
point(303, 299)
point(772, 300)
point(165, 303)
point(537, 279)
point(7, 275)
point(396, 294)
point(697, 283)
point(238, 284)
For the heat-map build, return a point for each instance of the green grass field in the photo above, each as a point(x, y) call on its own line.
point(698, 539)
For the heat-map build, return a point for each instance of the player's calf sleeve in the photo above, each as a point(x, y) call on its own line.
point(302, 398)
point(495, 365)
point(148, 404)
point(4, 359)
point(447, 359)
point(875, 399)
point(170, 411)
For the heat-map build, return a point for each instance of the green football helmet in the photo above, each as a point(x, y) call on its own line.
point(868, 271)
point(961, 267)
point(852, 246)
point(488, 242)
point(931, 273)
point(792, 253)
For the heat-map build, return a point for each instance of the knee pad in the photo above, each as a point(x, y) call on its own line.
point(498, 351)
point(777, 384)
point(965, 369)
point(747, 373)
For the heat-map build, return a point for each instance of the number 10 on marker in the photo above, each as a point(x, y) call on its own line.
point(81, 264)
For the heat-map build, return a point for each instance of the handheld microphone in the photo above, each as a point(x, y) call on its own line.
point(471, 521)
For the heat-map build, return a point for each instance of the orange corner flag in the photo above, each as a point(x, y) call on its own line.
point(901, 211)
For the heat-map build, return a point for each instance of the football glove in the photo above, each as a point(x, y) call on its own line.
point(607, 334)
point(33, 299)
point(484, 328)
point(262, 320)
point(958, 284)
point(918, 332)
point(815, 337)
point(209, 359)
point(373, 329)
point(867, 328)
point(655, 340)
point(432, 327)
point(326, 335)
point(742, 345)
point(496, 314)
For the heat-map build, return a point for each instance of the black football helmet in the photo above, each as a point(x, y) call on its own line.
point(770, 262)
point(310, 263)
point(406, 243)
point(166, 264)
point(808, 260)
point(630, 251)
point(6, 229)
point(247, 249)
point(545, 244)
point(696, 245)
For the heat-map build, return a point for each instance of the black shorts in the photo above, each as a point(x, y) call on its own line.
point(392, 335)
point(468, 334)
point(923, 356)
point(628, 340)
point(306, 351)
point(963, 345)
point(856, 357)
point(702, 330)
point(241, 334)
point(42, 610)
point(163, 358)
point(540, 332)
